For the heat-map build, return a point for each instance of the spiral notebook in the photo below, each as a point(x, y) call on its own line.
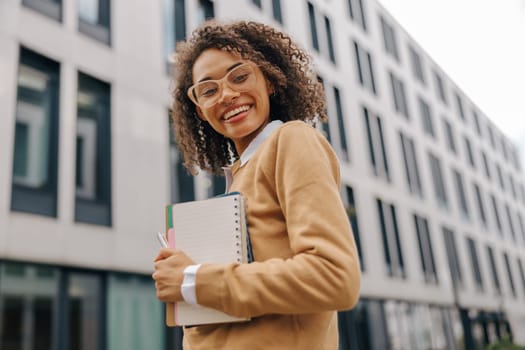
point(208, 231)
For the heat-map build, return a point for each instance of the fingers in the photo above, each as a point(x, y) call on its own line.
point(165, 253)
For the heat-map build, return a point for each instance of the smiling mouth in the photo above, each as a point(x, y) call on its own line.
point(230, 114)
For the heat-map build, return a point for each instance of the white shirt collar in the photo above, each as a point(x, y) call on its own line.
point(258, 140)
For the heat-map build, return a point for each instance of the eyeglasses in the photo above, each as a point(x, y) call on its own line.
point(207, 93)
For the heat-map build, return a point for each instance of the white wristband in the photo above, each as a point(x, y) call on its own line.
point(187, 288)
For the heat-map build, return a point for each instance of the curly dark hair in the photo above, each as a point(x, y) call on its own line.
point(298, 95)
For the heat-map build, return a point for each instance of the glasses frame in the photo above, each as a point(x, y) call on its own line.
point(220, 83)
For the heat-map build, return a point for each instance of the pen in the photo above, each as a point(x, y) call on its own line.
point(162, 240)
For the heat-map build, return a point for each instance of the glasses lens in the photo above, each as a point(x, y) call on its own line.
point(207, 93)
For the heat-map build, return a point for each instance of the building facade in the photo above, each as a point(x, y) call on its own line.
point(435, 192)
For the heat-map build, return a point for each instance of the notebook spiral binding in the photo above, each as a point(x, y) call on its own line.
point(238, 231)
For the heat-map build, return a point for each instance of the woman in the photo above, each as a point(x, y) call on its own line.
point(246, 95)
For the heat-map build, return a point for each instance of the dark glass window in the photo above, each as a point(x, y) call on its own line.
point(477, 123)
point(205, 11)
point(174, 24)
point(329, 39)
point(35, 160)
point(50, 8)
point(438, 180)
point(522, 225)
point(494, 270)
point(460, 108)
point(485, 164)
point(451, 139)
point(470, 154)
point(391, 241)
point(411, 164)
point(496, 214)
point(325, 125)
point(461, 194)
point(356, 11)
point(277, 11)
point(365, 68)
point(351, 211)
point(509, 274)
point(389, 39)
point(453, 257)
point(376, 145)
point(257, 3)
point(217, 185)
point(474, 260)
point(426, 117)
point(93, 163)
point(481, 203)
point(417, 66)
point(399, 96)
point(94, 17)
point(181, 181)
point(511, 223)
point(313, 26)
point(522, 274)
point(500, 177)
point(341, 124)
point(440, 88)
point(426, 253)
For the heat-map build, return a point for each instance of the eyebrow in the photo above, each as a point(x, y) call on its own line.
point(229, 69)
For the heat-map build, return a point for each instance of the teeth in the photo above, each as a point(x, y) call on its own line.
point(235, 111)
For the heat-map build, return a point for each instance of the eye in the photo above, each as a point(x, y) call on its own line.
point(207, 90)
point(239, 77)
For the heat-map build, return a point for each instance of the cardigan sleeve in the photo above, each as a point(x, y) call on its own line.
point(323, 272)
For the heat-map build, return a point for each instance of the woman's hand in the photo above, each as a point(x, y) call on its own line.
point(168, 275)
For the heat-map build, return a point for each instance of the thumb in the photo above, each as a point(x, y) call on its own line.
point(164, 253)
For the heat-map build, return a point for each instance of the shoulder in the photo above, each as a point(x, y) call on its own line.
point(297, 131)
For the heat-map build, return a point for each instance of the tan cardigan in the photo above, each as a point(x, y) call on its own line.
point(306, 263)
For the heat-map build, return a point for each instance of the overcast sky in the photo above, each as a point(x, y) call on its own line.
point(480, 44)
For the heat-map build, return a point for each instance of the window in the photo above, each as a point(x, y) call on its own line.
point(449, 133)
point(513, 187)
point(440, 88)
point(492, 138)
point(50, 8)
point(426, 254)
point(453, 258)
point(365, 68)
point(181, 182)
point(500, 177)
point(481, 205)
point(205, 11)
point(460, 191)
point(474, 260)
point(426, 117)
point(93, 152)
point(351, 211)
point(341, 124)
point(485, 164)
point(313, 26)
point(494, 270)
point(356, 11)
point(257, 3)
point(411, 166)
point(511, 223)
point(389, 39)
point(460, 108)
point(509, 274)
point(94, 19)
point(477, 123)
point(329, 39)
point(174, 20)
point(391, 242)
point(470, 154)
point(438, 180)
point(522, 274)
point(325, 125)
point(376, 145)
point(417, 66)
point(496, 214)
point(277, 11)
point(522, 226)
point(399, 95)
point(35, 160)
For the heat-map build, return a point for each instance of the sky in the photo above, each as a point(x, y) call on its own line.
point(480, 45)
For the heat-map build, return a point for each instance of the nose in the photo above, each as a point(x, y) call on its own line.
point(227, 94)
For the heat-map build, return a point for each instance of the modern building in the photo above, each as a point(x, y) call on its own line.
point(435, 192)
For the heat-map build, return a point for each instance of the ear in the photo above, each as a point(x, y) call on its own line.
point(270, 88)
